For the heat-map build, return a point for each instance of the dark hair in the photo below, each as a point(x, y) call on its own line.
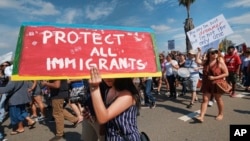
point(127, 84)
point(7, 62)
point(231, 47)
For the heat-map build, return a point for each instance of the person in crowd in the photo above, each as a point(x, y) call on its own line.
point(149, 100)
point(77, 91)
point(91, 129)
point(214, 70)
point(59, 90)
point(138, 84)
point(221, 58)
point(3, 81)
point(169, 73)
point(162, 78)
point(18, 97)
point(192, 82)
point(120, 109)
point(233, 62)
point(246, 75)
point(181, 63)
point(37, 99)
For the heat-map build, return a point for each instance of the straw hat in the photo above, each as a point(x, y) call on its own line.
point(192, 52)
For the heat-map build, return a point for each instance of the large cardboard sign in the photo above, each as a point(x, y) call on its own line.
point(60, 51)
point(209, 32)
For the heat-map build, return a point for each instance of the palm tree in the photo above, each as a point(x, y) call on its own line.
point(187, 4)
point(189, 21)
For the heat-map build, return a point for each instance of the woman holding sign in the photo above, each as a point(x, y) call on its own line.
point(120, 108)
point(214, 71)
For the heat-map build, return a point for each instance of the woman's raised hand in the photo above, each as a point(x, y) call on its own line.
point(95, 77)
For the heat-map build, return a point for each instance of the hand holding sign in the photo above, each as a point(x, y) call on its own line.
point(95, 78)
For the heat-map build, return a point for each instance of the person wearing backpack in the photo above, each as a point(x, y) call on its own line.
point(233, 63)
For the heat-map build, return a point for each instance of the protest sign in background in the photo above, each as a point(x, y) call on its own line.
point(60, 51)
point(209, 32)
point(171, 44)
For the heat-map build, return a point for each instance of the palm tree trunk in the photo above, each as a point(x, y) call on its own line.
point(187, 27)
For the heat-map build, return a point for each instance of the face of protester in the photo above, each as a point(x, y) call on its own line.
point(161, 57)
point(213, 54)
point(109, 81)
point(168, 58)
point(230, 51)
point(190, 56)
point(4, 65)
point(181, 57)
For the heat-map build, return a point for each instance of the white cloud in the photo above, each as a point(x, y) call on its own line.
point(240, 36)
point(9, 4)
point(102, 9)
point(159, 1)
point(9, 36)
point(131, 21)
point(42, 8)
point(238, 3)
point(30, 7)
point(170, 20)
point(69, 16)
point(243, 19)
point(148, 6)
point(160, 28)
point(179, 36)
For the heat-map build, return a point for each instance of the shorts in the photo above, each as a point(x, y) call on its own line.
point(232, 78)
point(192, 83)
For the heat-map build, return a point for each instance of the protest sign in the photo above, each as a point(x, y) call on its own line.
point(214, 44)
point(61, 51)
point(171, 44)
point(209, 32)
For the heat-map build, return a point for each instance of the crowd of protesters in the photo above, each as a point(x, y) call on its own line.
point(36, 96)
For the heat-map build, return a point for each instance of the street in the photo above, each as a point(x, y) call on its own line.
point(169, 121)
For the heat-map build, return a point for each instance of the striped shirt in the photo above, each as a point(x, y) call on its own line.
point(126, 122)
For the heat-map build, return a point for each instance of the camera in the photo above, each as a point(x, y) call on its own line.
point(82, 99)
point(74, 99)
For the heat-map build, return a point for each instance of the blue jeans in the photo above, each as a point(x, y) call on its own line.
point(2, 108)
point(148, 97)
point(1, 135)
point(18, 113)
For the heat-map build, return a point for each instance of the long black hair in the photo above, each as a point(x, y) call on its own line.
point(121, 84)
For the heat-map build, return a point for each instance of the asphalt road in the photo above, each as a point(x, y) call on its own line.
point(169, 121)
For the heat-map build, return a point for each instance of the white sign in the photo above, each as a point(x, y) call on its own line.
point(214, 45)
point(209, 32)
point(6, 57)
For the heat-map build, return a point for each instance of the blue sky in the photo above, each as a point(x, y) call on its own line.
point(165, 17)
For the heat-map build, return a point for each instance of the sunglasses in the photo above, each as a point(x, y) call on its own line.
point(4, 65)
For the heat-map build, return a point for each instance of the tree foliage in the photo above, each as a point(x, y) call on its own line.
point(187, 4)
point(225, 43)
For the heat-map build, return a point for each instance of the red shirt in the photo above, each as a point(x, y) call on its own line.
point(232, 62)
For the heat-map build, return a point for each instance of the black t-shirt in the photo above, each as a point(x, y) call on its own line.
point(88, 102)
point(3, 80)
point(62, 92)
